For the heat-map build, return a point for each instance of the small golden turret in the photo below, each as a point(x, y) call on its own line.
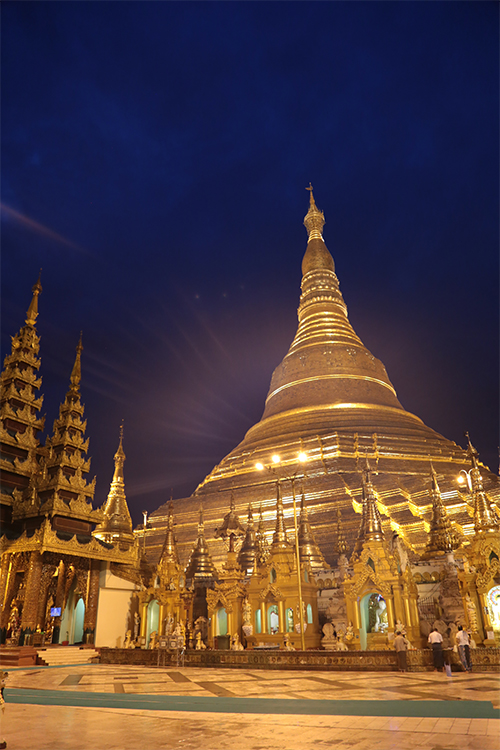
point(370, 529)
point(200, 567)
point(485, 518)
point(169, 554)
point(32, 312)
point(248, 552)
point(341, 547)
point(308, 548)
point(280, 538)
point(116, 525)
point(261, 540)
point(442, 536)
point(231, 526)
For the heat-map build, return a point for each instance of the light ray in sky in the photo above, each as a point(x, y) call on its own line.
point(38, 228)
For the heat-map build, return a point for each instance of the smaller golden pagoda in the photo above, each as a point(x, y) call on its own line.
point(381, 595)
point(480, 577)
point(271, 613)
point(443, 538)
point(247, 555)
point(116, 525)
point(310, 553)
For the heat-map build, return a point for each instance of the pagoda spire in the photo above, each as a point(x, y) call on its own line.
point(32, 312)
point(200, 567)
point(76, 373)
point(168, 566)
point(231, 526)
point(314, 220)
point(261, 540)
point(63, 488)
point(370, 529)
point(20, 421)
point(308, 548)
point(341, 546)
point(248, 552)
point(280, 538)
point(442, 537)
point(116, 525)
point(485, 518)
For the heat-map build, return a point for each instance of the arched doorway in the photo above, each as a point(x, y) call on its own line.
point(221, 622)
point(493, 598)
point(153, 619)
point(273, 619)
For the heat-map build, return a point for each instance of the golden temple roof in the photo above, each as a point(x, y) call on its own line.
point(308, 548)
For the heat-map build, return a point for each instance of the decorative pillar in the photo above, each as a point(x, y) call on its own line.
point(263, 617)
point(229, 622)
point(30, 607)
point(161, 617)
point(59, 601)
point(390, 612)
point(414, 612)
point(485, 612)
point(90, 618)
point(13, 565)
point(281, 613)
point(356, 614)
point(407, 611)
point(4, 577)
point(144, 619)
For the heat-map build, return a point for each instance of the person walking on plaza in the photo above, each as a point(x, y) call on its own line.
point(463, 643)
point(401, 645)
point(436, 641)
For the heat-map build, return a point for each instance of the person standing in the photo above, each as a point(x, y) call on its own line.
point(436, 641)
point(401, 645)
point(463, 643)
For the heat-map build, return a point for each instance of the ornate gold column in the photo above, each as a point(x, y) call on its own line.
point(229, 613)
point(263, 617)
point(90, 618)
point(390, 612)
point(13, 565)
point(144, 619)
point(30, 607)
point(4, 577)
point(281, 612)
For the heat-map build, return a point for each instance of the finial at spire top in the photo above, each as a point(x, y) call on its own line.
point(32, 312)
point(76, 373)
point(119, 456)
point(314, 220)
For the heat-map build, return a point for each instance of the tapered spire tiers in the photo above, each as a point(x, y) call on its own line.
point(117, 524)
point(485, 518)
point(200, 567)
point(370, 529)
point(248, 553)
point(231, 526)
point(442, 536)
point(308, 548)
point(280, 538)
point(169, 557)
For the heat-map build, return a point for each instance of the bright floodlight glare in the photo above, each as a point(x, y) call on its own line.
point(302, 457)
point(276, 459)
point(460, 479)
point(259, 466)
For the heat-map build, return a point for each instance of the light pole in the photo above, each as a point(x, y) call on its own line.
point(276, 460)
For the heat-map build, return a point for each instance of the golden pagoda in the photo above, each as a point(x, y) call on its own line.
point(331, 399)
point(116, 525)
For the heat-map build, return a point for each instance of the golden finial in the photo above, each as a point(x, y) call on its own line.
point(76, 373)
point(32, 312)
point(314, 220)
point(119, 456)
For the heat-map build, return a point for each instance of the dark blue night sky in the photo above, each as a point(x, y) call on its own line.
point(154, 160)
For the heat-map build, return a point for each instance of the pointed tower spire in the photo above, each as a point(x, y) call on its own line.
point(116, 525)
point(308, 548)
point(485, 518)
point(248, 552)
point(76, 373)
point(64, 489)
point(200, 567)
point(231, 526)
point(370, 529)
point(280, 538)
point(442, 537)
point(20, 421)
point(261, 540)
point(341, 546)
point(32, 312)
point(168, 564)
point(314, 220)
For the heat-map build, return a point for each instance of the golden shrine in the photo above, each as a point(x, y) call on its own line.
point(384, 537)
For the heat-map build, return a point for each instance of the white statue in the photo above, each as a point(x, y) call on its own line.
point(380, 616)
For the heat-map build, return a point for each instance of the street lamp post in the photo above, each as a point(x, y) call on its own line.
point(302, 458)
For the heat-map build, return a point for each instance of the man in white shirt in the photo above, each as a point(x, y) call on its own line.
point(436, 641)
point(463, 643)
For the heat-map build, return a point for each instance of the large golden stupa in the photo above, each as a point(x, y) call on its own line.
point(331, 400)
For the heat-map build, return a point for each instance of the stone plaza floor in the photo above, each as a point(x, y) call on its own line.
point(98, 707)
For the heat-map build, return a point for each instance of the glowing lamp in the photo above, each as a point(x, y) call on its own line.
point(302, 457)
point(259, 466)
point(276, 459)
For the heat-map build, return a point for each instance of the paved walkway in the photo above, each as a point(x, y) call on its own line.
point(103, 706)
